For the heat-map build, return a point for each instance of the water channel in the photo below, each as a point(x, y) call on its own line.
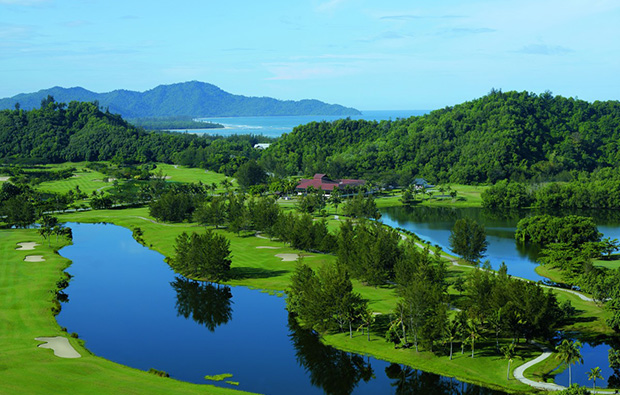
point(434, 224)
point(130, 308)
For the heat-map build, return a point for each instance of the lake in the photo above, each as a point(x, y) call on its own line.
point(131, 308)
point(434, 224)
point(276, 126)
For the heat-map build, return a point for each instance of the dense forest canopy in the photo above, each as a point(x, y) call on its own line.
point(82, 132)
point(514, 136)
point(190, 99)
point(518, 136)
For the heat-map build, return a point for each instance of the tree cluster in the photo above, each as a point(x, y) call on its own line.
point(577, 194)
point(369, 251)
point(325, 301)
point(544, 229)
point(205, 256)
point(468, 239)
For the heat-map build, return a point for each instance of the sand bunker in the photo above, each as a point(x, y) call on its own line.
point(27, 245)
point(288, 257)
point(268, 247)
point(4, 178)
point(34, 258)
point(61, 346)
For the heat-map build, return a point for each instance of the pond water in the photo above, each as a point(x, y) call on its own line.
point(434, 224)
point(129, 307)
point(593, 356)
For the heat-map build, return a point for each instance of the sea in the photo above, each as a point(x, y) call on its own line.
point(278, 125)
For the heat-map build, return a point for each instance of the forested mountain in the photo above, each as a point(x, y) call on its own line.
point(189, 99)
point(82, 132)
point(504, 135)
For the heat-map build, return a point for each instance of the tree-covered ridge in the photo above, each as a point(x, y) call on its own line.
point(82, 132)
point(170, 123)
point(191, 99)
point(503, 135)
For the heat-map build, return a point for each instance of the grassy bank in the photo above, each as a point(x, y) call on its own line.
point(26, 300)
point(467, 196)
point(487, 368)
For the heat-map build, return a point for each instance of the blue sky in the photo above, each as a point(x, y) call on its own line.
point(384, 55)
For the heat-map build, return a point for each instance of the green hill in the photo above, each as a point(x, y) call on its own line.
point(187, 99)
point(505, 135)
point(80, 131)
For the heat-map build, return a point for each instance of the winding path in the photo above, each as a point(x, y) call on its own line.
point(518, 372)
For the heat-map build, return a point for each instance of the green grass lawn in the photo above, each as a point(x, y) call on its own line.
point(25, 313)
point(613, 263)
point(487, 368)
point(187, 174)
point(467, 196)
point(88, 180)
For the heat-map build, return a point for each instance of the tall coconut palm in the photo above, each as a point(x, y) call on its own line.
point(452, 331)
point(509, 354)
point(569, 354)
point(593, 374)
point(474, 332)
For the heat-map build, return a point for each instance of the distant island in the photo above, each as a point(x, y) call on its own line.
point(187, 99)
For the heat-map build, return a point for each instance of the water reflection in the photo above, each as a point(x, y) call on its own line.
point(336, 372)
point(434, 224)
point(410, 381)
point(207, 304)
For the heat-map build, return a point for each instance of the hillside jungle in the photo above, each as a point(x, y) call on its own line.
point(521, 150)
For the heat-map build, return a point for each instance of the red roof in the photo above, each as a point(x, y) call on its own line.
point(320, 181)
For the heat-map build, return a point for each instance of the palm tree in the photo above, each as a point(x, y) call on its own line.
point(336, 198)
point(226, 184)
point(569, 354)
point(509, 354)
point(496, 321)
point(593, 374)
point(474, 332)
point(452, 331)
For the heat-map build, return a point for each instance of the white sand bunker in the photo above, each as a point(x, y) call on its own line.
point(27, 245)
point(268, 247)
point(61, 346)
point(290, 257)
point(4, 178)
point(34, 258)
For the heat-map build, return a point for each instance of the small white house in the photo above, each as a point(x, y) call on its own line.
point(261, 146)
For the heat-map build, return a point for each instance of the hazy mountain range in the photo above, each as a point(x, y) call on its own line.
point(187, 99)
